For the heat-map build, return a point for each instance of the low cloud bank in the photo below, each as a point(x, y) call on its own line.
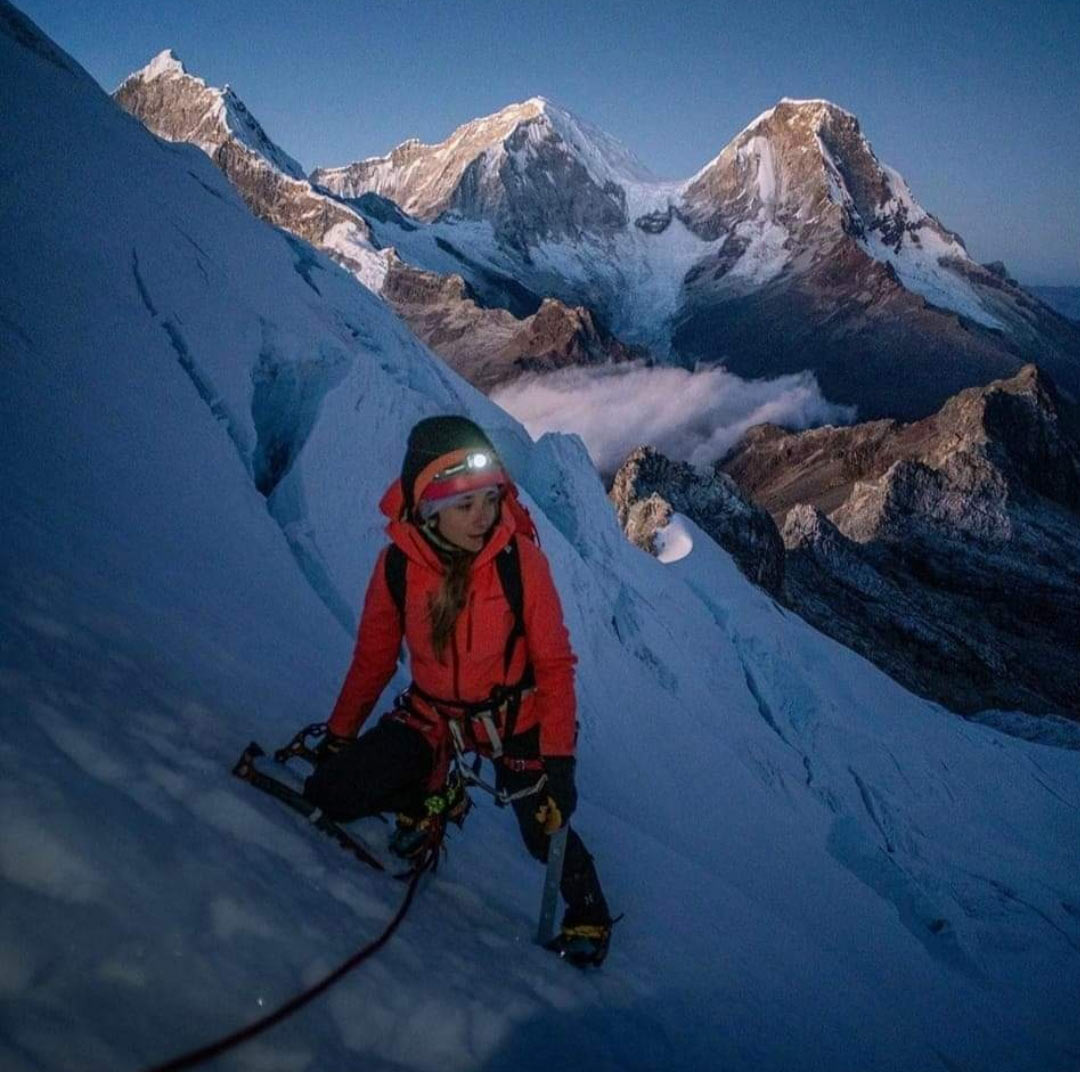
point(694, 417)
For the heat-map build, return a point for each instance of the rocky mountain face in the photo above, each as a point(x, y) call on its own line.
point(532, 170)
point(465, 323)
point(825, 260)
point(946, 550)
point(181, 107)
point(794, 248)
point(490, 346)
point(649, 488)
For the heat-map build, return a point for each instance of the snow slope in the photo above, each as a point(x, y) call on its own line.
point(818, 870)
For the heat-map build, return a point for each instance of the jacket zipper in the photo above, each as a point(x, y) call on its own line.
point(454, 663)
point(469, 621)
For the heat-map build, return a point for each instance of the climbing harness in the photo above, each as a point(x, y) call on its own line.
point(459, 718)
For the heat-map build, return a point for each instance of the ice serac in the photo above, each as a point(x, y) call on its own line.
point(181, 107)
point(532, 170)
point(945, 550)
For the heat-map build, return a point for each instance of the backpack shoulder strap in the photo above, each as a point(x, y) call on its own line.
point(508, 564)
point(396, 566)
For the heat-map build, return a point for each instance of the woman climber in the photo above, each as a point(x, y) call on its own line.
point(466, 586)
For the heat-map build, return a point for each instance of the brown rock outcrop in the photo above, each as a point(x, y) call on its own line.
point(490, 347)
point(648, 488)
point(946, 550)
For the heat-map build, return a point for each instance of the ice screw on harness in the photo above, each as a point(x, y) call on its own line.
point(414, 835)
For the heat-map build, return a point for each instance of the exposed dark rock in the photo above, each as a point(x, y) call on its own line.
point(493, 290)
point(870, 341)
point(648, 488)
point(384, 210)
point(490, 347)
point(654, 222)
point(947, 551)
point(998, 268)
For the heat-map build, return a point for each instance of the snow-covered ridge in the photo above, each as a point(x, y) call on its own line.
point(817, 110)
point(182, 107)
point(223, 113)
point(423, 178)
point(606, 158)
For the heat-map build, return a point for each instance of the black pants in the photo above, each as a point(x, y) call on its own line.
point(387, 769)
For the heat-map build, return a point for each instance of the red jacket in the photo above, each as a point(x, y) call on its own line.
point(474, 661)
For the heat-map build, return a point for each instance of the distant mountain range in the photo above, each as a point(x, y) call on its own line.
point(795, 248)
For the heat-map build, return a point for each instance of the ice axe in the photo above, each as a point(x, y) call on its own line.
point(545, 931)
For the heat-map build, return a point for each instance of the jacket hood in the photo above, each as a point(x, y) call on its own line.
point(410, 539)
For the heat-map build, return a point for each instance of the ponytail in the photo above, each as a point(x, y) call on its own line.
point(445, 606)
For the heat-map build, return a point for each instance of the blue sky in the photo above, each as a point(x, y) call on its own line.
point(975, 102)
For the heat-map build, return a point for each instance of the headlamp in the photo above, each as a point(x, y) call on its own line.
point(457, 472)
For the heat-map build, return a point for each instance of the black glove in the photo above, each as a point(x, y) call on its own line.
point(559, 794)
point(332, 745)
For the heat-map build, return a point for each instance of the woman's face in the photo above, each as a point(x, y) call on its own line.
point(466, 523)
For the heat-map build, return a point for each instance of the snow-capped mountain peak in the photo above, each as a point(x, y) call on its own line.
point(182, 107)
point(606, 158)
point(179, 106)
point(165, 63)
point(533, 167)
point(801, 178)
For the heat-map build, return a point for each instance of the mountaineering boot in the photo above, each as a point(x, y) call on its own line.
point(585, 934)
point(412, 835)
point(584, 944)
